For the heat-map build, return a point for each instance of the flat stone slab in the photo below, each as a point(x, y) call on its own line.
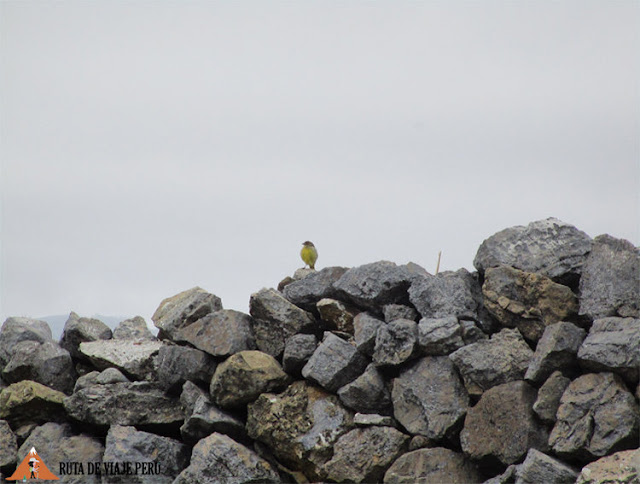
point(133, 357)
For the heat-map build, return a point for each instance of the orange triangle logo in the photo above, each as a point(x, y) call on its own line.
point(32, 467)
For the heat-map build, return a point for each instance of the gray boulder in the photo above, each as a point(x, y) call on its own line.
point(426, 466)
point(242, 377)
point(135, 358)
point(399, 311)
point(539, 467)
point(134, 328)
point(526, 300)
point(105, 377)
point(58, 443)
point(365, 328)
point(364, 454)
point(440, 336)
point(297, 351)
point(8, 446)
point(317, 285)
point(429, 399)
point(501, 427)
point(141, 404)
point(618, 468)
point(396, 342)
point(613, 344)
point(164, 457)
point(183, 309)
point(597, 416)
point(28, 402)
point(503, 358)
point(300, 426)
point(556, 350)
point(549, 396)
point(45, 363)
point(334, 363)
point(337, 315)
point(374, 285)
point(550, 247)
point(81, 330)
point(447, 294)
point(275, 319)
point(610, 283)
point(174, 365)
point(220, 459)
point(368, 393)
point(203, 418)
point(222, 333)
point(15, 330)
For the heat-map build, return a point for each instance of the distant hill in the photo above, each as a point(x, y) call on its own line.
point(56, 322)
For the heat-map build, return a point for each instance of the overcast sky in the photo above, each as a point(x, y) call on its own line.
point(152, 146)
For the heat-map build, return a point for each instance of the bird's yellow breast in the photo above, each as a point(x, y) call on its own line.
point(309, 256)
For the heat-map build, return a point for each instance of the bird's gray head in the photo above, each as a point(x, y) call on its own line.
point(308, 244)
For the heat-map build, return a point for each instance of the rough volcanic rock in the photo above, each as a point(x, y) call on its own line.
point(183, 309)
point(364, 454)
point(539, 467)
point(440, 336)
point(374, 285)
point(613, 345)
point(426, 466)
point(399, 311)
point(336, 314)
point(447, 294)
point(526, 300)
point(220, 459)
point(176, 364)
point(275, 319)
point(58, 443)
point(597, 416)
point(396, 342)
point(365, 328)
point(556, 350)
point(15, 330)
point(502, 427)
point(242, 377)
point(334, 363)
point(300, 426)
point(204, 418)
point(126, 444)
point(134, 328)
point(81, 330)
point(503, 358)
point(550, 247)
point(45, 363)
point(368, 393)
point(610, 283)
point(105, 377)
point(30, 401)
point(549, 396)
point(141, 404)
point(297, 351)
point(8, 446)
point(619, 468)
point(222, 333)
point(306, 292)
point(471, 333)
point(133, 357)
point(429, 398)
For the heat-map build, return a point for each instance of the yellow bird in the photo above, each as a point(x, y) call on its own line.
point(309, 254)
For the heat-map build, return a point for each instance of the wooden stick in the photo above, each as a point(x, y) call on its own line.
point(438, 265)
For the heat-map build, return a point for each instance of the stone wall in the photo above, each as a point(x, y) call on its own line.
point(524, 371)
